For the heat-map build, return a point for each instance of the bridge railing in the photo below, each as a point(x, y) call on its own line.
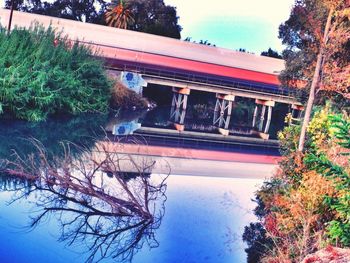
point(177, 75)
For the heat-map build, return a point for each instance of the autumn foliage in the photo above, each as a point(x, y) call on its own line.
point(305, 206)
point(306, 35)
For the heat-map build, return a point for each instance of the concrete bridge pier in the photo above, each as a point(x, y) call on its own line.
point(296, 114)
point(262, 117)
point(222, 112)
point(178, 107)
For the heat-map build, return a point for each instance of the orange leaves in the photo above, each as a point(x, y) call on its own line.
point(299, 207)
point(306, 31)
point(336, 155)
point(295, 220)
point(336, 70)
point(119, 15)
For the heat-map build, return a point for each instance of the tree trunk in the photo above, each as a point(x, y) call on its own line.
point(10, 19)
point(314, 83)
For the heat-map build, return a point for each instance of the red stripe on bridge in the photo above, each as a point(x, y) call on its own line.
point(188, 153)
point(137, 57)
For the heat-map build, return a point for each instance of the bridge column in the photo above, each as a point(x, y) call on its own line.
point(262, 117)
point(296, 114)
point(178, 107)
point(222, 112)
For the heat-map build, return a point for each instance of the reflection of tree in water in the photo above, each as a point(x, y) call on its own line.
point(80, 130)
point(94, 201)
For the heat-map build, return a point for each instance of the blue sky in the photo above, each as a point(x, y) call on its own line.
point(234, 24)
point(249, 24)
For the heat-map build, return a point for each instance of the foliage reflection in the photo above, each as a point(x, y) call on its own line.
point(80, 130)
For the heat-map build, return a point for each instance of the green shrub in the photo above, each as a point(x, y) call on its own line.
point(307, 203)
point(336, 168)
point(42, 73)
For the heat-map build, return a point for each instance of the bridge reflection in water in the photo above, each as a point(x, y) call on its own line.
point(184, 68)
point(205, 192)
point(158, 127)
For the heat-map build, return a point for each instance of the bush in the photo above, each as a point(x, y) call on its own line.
point(125, 98)
point(306, 205)
point(42, 73)
point(333, 163)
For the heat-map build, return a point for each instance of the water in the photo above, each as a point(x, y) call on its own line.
point(194, 218)
point(203, 222)
point(200, 114)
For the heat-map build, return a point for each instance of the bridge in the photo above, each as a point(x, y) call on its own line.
point(182, 66)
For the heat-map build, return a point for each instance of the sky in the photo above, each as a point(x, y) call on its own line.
point(249, 24)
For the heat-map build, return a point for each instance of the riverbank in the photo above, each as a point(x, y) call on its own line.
point(44, 74)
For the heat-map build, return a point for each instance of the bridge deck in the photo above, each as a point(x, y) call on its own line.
point(176, 61)
point(124, 48)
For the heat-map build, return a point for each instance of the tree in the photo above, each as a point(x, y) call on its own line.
point(81, 10)
point(257, 241)
point(154, 17)
point(243, 50)
point(317, 37)
point(202, 42)
point(334, 164)
point(17, 4)
point(150, 16)
point(305, 204)
point(271, 53)
point(119, 15)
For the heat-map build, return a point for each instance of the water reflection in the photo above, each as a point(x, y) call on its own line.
point(102, 200)
point(125, 122)
point(106, 204)
point(81, 130)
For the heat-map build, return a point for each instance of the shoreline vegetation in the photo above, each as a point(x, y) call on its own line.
point(43, 74)
point(303, 211)
point(305, 207)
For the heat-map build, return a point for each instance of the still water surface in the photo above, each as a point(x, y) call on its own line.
point(201, 218)
point(203, 222)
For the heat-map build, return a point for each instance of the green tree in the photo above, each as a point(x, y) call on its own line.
point(90, 11)
point(155, 17)
point(271, 53)
point(317, 56)
point(202, 42)
point(150, 16)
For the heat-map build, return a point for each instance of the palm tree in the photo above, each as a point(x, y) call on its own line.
point(119, 15)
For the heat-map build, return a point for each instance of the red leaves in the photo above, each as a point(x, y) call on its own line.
point(271, 225)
